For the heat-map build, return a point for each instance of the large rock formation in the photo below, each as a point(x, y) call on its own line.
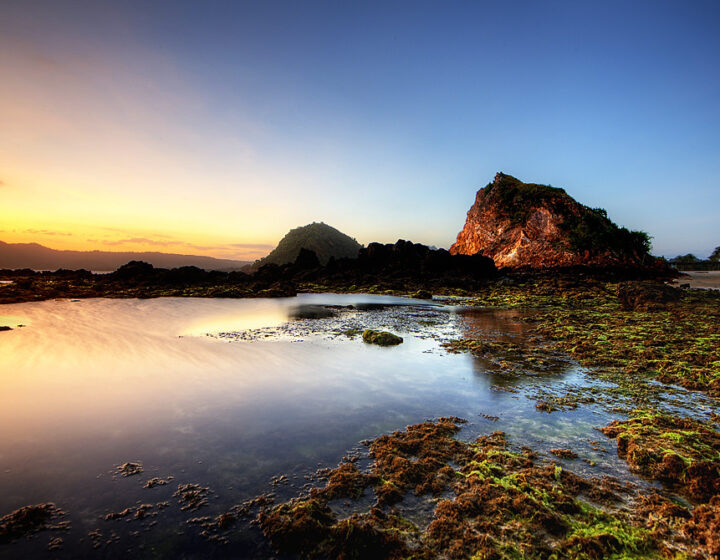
point(537, 226)
point(325, 241)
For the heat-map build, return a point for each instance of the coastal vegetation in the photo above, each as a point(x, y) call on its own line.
point(691, 262)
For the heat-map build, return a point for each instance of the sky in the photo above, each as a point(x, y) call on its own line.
point(214, 127)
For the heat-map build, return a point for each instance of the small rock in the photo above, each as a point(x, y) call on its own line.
point(381, 338)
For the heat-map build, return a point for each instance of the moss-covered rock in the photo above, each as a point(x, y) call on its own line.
point(381, 338)
point(678, 451)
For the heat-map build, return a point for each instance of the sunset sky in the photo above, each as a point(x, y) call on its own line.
point(214, 127)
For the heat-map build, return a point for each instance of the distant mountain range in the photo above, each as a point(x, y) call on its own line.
point(39, 257)
point(324, 240)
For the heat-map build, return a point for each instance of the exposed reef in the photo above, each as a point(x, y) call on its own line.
point(492, 502)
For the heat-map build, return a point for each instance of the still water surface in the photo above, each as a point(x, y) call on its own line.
point(228, 394)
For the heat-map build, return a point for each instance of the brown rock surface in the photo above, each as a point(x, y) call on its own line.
point(528, 225)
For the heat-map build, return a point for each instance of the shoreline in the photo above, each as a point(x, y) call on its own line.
point(702, 279)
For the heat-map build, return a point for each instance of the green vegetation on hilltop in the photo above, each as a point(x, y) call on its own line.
point(588, 229)
point(518, 199)
point(324, 240)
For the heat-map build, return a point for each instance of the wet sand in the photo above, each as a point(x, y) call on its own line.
point(706, 279)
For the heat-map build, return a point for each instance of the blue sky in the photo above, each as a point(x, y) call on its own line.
point(219, 124)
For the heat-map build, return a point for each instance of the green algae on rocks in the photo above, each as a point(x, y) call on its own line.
point(381, 338)
point(680, 452)
point(503, 505)
point(673, 338)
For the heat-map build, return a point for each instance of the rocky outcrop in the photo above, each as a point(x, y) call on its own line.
point(323, 240)
point(537, 226)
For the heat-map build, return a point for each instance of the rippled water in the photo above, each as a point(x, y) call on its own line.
point(228, 394)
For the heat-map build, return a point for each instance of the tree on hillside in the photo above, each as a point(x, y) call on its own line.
point(685, 259)
point(715, 257)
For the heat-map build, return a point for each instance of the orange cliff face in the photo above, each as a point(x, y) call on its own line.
point(527, 225)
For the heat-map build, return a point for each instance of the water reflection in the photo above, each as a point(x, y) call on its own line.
point(511, 361)
point(91, 384)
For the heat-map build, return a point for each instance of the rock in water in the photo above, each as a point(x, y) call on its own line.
point(537, 226)
point(381, 338)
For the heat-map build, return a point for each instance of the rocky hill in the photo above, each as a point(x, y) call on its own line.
point(39, 257)
point(325, 241)
point(537, 226)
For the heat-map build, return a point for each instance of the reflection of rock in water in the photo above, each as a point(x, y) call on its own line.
point(310, 312)
point(503, 323)
point(503, 350)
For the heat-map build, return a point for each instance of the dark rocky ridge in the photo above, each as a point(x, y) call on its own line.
point(39, 257)
point(403, 266)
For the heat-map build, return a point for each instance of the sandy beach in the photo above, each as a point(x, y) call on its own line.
point(707, 279)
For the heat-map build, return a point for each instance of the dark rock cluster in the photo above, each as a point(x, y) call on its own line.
point(401, 266)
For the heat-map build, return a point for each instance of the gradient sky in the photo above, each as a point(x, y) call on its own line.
point(214, 127)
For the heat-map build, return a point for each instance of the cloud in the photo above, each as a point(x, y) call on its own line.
point(47, 232)
point(259, 246)
point(145, 241)
point(2, 183)
point(235, 251)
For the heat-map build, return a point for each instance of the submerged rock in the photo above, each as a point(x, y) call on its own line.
point(564, 453)
point(381, 338)
point(27, 520)
point(129, 469)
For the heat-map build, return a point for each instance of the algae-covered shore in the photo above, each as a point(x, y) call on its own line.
point(644, 483)
point(495, 501)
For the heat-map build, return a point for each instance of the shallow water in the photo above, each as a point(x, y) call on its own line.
point(229, 393)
